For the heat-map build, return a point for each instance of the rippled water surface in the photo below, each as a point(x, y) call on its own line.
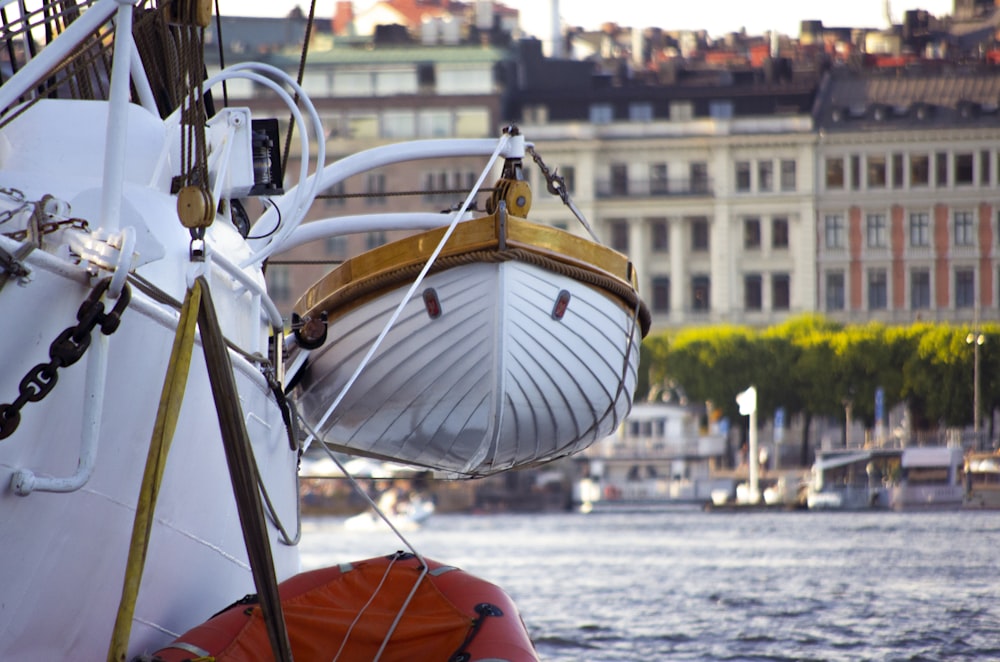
point(690, 585)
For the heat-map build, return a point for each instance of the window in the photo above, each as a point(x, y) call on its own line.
point(897, 170)
point(835, 173)
point(963, 169)
point(661, 235)
point(640, 111)
point(601, 113)
point(964, 229)
point(878, 297)
point(720, 110)
point(835, 290)
point(569, 178)
point(876, 171)
point(335, 195)
point(751, 233)
point(618, 230)
point(661, 294)
point(472, 122)
point(375, 188)
point(787, 175)
point(399, 124)
point(619, 179)
point(855, 172)
point(698, 170)
point(434, 123)
point(779, 232)
point(780, 292)
point(876, 231)
point(393, 82)
point(965, 289)
point(752, 299)
point(920, 229)
point(699, 233)
point(743, 176)
point(920, 289)
point(920, 170)
point(336, 247)
point(658, 178)
point(279, 282)
point(374, 240)
point(984, 168)
point(700, 292)
point(681, 110)
point(941, 169)
point(833, 230)
point(765, 175)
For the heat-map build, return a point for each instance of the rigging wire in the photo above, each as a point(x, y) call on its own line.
point(301, 75)
point(456, 217)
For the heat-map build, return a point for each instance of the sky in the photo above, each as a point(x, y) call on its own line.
point(717, 16)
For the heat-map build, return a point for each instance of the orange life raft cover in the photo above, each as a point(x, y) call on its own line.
point(452, 616)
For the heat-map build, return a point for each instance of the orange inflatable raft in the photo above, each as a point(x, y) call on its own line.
point(346, 612)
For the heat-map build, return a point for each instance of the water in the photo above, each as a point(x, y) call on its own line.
point(689, 585)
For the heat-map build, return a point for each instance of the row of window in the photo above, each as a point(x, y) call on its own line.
point(644, 111)
point(765, 176)
point(920, 234)
point(618, 230)
point(407, 123)
point(657, 182)
point(901, 170)
point(919, 289)
point(753, 292)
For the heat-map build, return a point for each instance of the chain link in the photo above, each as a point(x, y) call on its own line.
point(556, 185)
point(68, 348)
point(50, 227)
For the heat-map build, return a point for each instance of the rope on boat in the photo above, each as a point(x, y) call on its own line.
point(392, 278)
point(266, 366)
point(171, 398)
point(424, 270)
point(243, 473)
point(424, 568)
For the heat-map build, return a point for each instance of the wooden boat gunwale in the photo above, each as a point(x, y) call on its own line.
point(495, 237)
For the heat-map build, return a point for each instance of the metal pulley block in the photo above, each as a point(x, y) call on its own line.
point(195, 207)
point(515, 193)
point(190, 12)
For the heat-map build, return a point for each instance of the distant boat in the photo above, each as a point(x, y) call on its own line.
point(658, 456)
point(930, 479)
point(982, 480)
point(887, 478)
point(407, 513)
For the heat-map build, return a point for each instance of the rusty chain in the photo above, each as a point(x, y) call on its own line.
point(68, 348)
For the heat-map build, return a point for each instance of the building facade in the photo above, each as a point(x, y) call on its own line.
point(907, 201)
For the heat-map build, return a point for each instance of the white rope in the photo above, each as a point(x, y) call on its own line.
point(413, 288)
point(423, 562)
point(357, 619)
point(360, 490)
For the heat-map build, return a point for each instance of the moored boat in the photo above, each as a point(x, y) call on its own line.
point(416, 609)
point(521, 347)
point(930, 479)
point(982, 480)
point(149, 487)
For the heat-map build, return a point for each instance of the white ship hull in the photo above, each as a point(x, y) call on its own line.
point(65, 552)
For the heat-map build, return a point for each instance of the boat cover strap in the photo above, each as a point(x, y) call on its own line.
point(191, 648)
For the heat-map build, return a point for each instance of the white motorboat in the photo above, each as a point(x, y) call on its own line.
point(144, 495)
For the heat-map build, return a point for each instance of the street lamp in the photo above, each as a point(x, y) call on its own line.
point(975, 339)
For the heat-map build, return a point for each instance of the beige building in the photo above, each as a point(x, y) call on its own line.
point(716, 214)
point(907, 206)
